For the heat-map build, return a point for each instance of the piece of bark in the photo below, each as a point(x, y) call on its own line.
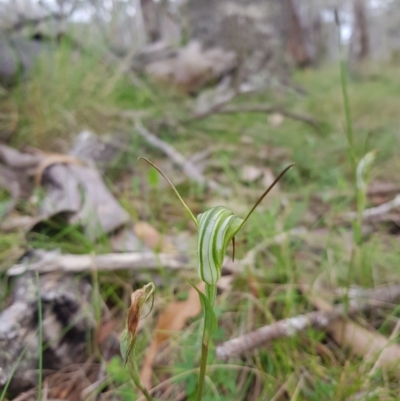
point(15, 159)
point(62, 192)
point(192, 67)
point(25, 223)
point(96, 209)
point(76, 191)
point(326, 318)
point(99, 203)
point(97, 150)
point(65, 304)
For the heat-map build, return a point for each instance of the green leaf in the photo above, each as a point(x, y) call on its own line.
point(210, 319)
point(217, 227)
point(125, 345)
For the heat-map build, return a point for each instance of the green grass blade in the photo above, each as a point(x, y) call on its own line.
point(17, 362)
point(40, 340)
point(210, 319)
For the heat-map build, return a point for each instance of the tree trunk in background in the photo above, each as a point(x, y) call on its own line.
point(360, 38)
point(151, 18)
point(295, 38)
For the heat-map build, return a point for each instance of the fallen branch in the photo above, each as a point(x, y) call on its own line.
point(214, 109)
point(220, 109)
point(375, 189)
point(272, 109)
point(54, 261)
point(382, 188)
point(188, 167)
point(367, 343)
point(294, 325)
point(376, 213)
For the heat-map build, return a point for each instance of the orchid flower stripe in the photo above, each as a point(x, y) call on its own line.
point(217, 227)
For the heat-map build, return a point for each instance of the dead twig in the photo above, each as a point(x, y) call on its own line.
point(316, 125)
point(220, 109)
point(376, 213)
point(382, 188)
point(188, 167)
point(321, 319)
point(375, 189)
point(53, 261)
point(364, 342)
point(50, 261)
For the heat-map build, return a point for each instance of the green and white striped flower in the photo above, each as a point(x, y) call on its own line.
point(217, 227)
point(216, 230)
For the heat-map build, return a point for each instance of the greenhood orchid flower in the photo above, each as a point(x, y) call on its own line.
point(217, 227)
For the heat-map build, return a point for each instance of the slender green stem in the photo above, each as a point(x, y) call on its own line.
point(350, 136)
point(40, 320)
point(203, 367)
point(134, 370)
point(211, 293)
point(10, 376)
point(346, 102)
point(358, 223)
point(347, 111)
point(144, 390)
